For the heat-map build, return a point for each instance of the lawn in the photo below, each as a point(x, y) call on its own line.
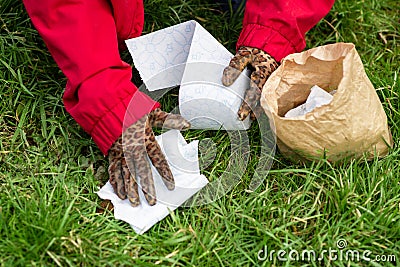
point(50, 170)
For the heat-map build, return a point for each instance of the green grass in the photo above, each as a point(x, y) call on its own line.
point(50, 169)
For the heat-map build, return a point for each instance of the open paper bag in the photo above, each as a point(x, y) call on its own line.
point(353, 124)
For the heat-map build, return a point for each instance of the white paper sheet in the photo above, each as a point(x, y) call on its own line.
point(317, 98)
point(189, 56)
point(183, 160)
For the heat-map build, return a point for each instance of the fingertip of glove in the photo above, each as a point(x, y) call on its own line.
point(152, 201)
point(226, 79)
point(134, 202)
point(186, 125)
point(170, 186)
point(229, 75)
point(242, 115)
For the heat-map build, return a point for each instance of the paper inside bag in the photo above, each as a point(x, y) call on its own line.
point(317, 98)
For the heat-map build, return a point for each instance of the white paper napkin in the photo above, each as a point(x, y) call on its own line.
point(183, 160)
point(188, 55)
point(317, 98)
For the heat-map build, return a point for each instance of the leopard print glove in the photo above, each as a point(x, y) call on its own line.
point(262, 65)
point(128, 157)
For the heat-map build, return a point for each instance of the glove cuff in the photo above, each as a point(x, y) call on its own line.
point(120, 117)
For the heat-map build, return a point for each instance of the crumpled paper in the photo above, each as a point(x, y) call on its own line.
point(183, 160)
point(317, 98)
point(188, 55)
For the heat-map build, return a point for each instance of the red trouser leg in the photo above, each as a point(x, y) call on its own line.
point(81, 36)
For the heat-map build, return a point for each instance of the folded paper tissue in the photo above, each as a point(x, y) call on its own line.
point(183, 160)
point(189, 56)
point(317, 98)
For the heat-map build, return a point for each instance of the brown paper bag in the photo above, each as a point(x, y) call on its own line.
point(353, 124)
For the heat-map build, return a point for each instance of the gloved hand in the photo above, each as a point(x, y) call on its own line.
point(128, 157)
point(262, 65)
